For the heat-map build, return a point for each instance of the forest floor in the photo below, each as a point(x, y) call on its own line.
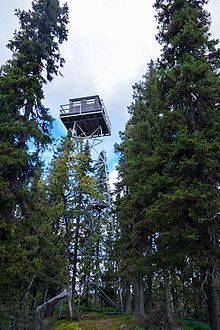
point(95, 321)
point(100, 321)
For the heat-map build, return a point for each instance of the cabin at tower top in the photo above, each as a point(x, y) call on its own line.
point(87, 115)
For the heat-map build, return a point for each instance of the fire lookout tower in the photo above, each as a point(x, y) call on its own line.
point(86, 116)
point(88, 120)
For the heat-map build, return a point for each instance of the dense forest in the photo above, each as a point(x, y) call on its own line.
point(151, 247)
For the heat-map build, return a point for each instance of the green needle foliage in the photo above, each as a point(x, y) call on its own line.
point(27, 240)
point(169, 165)
point(25, 123)
point(73, 189)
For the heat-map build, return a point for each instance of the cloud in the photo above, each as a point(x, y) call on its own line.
point(213, 7)
point(113, 178)
point(109, 42)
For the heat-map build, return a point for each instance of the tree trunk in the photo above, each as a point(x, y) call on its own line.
point(139, 296)
point(96, 294)
point(60, 310)
point(85, 285)
point(121, 300)
point(213, 302)
point(136, 295)
point(149, 279)
point(142, 298)
point(149, 298)
point(128, 298)
point(97, 270)
point(70, 307)
point(43, 309)
point(168, 302)
point(73, 315)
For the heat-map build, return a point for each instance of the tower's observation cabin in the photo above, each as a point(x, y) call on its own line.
point(87, 115)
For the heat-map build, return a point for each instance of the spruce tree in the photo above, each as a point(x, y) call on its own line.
point(24, 121)
point(168, 205)
point(136, 188)
point(188, 208)
point(25, 125)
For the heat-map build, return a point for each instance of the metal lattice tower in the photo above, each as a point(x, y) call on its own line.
point(88, 120)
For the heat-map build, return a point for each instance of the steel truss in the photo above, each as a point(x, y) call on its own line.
point(97, 209)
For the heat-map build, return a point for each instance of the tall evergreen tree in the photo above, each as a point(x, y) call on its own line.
point(32, 263)
point(24, 120)
point(137, 166)
point(25, 125)
point(189, 149)
point(169, 169)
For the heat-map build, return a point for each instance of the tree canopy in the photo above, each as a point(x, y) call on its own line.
point(169, 164)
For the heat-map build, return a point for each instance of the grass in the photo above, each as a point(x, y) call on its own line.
point(101, 321)
point(96, 321)
point(194, 325)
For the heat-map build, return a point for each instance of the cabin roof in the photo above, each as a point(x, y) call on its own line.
point(87, 114)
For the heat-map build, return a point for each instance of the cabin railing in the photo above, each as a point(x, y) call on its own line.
point(80, 108)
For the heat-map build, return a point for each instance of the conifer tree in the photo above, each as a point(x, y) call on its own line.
point(32, 263)
point(189, 150)
point(24, 120)
point(169, 166)
point(25, 125)
point(71, 187)
point(137, 165)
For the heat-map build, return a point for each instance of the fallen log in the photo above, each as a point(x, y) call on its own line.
point(44, 309)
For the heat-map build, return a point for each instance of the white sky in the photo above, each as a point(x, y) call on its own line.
point(110, 43)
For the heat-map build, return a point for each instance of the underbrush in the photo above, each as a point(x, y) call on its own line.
point(95, 321)
point(107, 318)
point(194, 325)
